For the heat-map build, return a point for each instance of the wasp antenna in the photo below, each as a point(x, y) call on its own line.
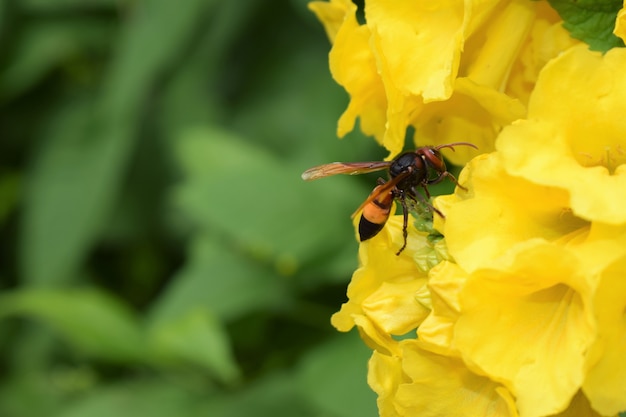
point(452, 145)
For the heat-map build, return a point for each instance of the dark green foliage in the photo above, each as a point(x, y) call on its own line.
point(159, 253)
point(591, 21)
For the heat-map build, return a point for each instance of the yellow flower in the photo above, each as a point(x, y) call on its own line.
point(519, 310)
point(384, 374)
point(563, 310)
point(437, 386)
point(605, 384)
point(417, 382)
point(574, 137)
point(537, 259)
point(561, 304)
point(474, 112)
point(332, 14)
point(500, 211)
point(528, 323)
point(546, 40)
point(353, 65)
point(384, 290)
point(441, 67)
point(436, 332)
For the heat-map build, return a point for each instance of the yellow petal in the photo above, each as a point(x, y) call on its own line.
point(394, 308)
point(374, 337)
point(383, 376)
point(499, 212)
point(575, 134)
point(437, 331)
point(528, 323)
point(353, 66)
point(474, 114)
point(547, 39)
point(332, 14)
point(418, 47)
point(419, 43)
point(383, 290)
point(504, 38)
point(443, 386)
point(605, 385)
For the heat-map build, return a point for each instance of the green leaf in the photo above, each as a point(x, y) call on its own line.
point(19, 388)
point(45, 46)
point(333, 377)
point(274, 394)
point(90, 320)
point(139, 398)
point(591, 21)
point(198, 339)
point(221, 281)
point(71, 185)
point(79, 172)
point(47, 5)
point(10, 186)
point(260, 201)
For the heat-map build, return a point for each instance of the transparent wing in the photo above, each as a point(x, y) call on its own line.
point(348, 168)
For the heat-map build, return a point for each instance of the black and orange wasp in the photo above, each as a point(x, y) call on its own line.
point(419, 168)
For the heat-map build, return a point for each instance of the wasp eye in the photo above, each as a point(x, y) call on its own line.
point(433, 158)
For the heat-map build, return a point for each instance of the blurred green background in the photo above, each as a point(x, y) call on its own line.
point(159, 253)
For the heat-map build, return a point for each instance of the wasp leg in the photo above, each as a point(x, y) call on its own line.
point(452, 178)
point(426, 202)
point(405, 221)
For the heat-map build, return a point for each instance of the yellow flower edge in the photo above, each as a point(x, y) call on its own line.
point(574, 137)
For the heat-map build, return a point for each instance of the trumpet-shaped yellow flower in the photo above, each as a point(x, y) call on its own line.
point(605, 384)
point(574, 137)
point(520, 309)
point(500, 211)
point(442, 67)
point(444, 386)
point(541, 300)
point(421, 383)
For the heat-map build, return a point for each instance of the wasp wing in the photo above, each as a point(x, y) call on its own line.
point(348, 168)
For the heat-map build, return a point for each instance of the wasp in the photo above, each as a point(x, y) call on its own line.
point(407, 172)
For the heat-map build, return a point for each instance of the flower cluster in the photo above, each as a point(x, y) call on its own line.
point(448, 69)
point(520, 310)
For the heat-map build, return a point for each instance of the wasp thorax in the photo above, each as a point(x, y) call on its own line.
point(408, 161)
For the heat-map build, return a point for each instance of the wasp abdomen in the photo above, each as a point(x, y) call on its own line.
point(368, 230)
point(375, 214)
